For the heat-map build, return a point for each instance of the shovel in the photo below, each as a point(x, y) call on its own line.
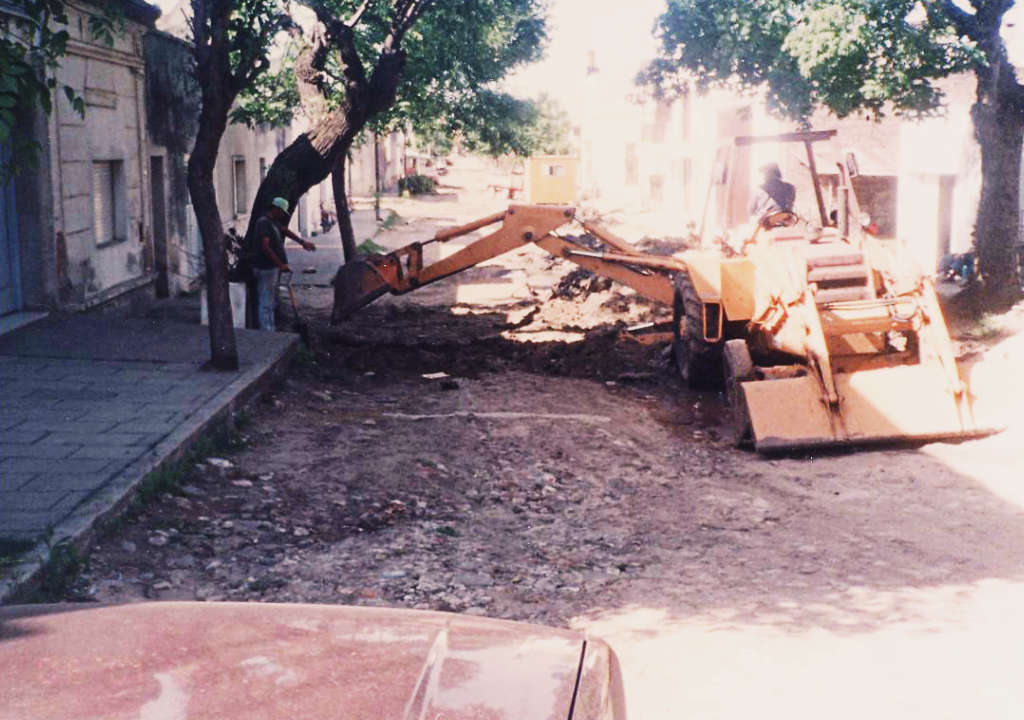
point(299, 325)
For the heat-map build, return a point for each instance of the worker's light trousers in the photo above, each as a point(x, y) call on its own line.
point(266, 297)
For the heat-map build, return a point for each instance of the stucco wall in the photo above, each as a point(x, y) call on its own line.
point(110, 80)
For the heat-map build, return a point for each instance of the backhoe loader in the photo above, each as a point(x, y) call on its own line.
point(820, 334)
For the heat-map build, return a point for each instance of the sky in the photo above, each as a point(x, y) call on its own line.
point(619, 33)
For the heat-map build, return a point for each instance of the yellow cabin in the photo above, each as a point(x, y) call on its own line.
point(551, 179)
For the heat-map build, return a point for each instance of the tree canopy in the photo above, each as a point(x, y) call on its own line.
point(499, 124)
point(846, 55)
point(456, 54)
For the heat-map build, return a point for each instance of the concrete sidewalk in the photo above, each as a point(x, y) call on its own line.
point(90, 404)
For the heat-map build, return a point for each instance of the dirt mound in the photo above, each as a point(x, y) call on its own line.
point(579, 284)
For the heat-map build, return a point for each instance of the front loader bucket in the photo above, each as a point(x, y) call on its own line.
point(910, 402)
point(358, 283)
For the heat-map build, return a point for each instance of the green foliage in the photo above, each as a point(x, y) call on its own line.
point(59, 572)
point(108, 24)
point(498, 124)
point(847, 55)
point(33, 40)
point(417, 185)
point(369, 247)
point(271, 100)
point(455, 54)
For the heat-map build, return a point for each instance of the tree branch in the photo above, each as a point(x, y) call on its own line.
point(416, 9)
point(404, 16)
point(322, 13)
point(964, 22)
point(358, 14)
point(351, 64)
point(253, 58)
point(309, 79)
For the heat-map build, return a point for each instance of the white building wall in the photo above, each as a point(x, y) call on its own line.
point(929, 150)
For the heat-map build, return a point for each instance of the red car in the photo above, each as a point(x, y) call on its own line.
point(172, 661)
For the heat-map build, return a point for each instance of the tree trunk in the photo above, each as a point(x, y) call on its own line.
point(295, 170)
point(376, 175)
point(999, 128)
point(348, 235)
point(223, 351)
point(314, 154)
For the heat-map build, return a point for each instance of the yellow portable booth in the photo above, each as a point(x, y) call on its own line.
point(551, 179)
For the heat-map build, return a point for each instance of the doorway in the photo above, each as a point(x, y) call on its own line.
point(156, 180)
point(10, 266)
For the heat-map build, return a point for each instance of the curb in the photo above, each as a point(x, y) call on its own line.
point(79, 529)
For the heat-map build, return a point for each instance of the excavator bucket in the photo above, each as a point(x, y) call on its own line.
point(904, 403)
point(358, 283)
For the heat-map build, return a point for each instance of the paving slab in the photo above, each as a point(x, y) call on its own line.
point(91, 404)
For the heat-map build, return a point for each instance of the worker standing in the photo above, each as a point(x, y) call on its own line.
point(271, 259)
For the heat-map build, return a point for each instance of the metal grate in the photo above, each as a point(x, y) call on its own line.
point(241, 190)
point(103, 202)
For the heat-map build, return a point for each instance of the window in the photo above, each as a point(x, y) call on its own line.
point(263, 169)
point(657, 189)
point(241, 193)
point(109, 217)
point(684, 119)
point(654, 131)
point(632, 165)
point(554, 170)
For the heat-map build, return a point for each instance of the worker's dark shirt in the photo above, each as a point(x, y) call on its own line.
point(266, 227)
point(772, 197)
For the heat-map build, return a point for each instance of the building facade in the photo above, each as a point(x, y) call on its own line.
point(106, 214)
point(82, 234)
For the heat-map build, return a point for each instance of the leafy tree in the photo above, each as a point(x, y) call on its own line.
point(230, 40)
point(378, 64)
point(868, 56)
point(33, 40)
point(499, 124)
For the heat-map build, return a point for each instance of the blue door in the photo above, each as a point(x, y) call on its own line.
point(10, 268)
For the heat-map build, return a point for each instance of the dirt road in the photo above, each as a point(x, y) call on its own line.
point(578, 482)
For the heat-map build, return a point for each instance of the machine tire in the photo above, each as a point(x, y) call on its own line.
point(697, 361)
point(737, 367)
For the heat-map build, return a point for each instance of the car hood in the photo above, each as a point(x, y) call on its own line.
point(178, 661)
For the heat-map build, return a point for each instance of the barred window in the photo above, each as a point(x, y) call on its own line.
point(109, 216)
point(241, 191)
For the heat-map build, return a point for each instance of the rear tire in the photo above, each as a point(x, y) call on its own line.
point(698, 361)
point(737, 367)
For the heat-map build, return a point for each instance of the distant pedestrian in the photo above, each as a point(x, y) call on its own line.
point(271, 259)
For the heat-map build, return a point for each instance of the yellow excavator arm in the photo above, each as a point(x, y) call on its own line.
point(363, 280)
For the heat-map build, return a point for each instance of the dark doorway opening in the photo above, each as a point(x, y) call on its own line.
point(157, 185)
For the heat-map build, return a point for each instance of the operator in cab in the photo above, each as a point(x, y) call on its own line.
point(773, 196)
